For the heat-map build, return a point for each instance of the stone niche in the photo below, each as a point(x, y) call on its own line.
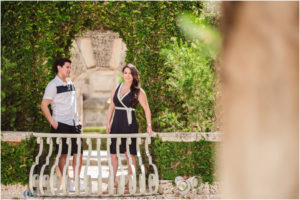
point(97, 60)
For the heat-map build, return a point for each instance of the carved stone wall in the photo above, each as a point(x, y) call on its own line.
point(96, 93)
point(97, 60)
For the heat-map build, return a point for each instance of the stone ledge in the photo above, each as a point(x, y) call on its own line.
point(167, 190)
point(190, 136)
point(13, 191)
point(16, 136)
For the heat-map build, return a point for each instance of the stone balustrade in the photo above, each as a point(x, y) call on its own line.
point(11, 136)
point(51, 184)
point(17, 136)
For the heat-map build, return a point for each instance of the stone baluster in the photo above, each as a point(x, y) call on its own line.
point(87, 178)
point(44, 179)
point(110, 184)
point(66, 178)
point(76, 173)
point(132, 176)
point(121, 179)
point(142, 176)
point(153, 180)
point(99, 166)
point(33, 179)
point(54, 179)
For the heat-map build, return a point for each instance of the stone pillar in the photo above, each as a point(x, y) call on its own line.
point(259, 156)
point(115, 58)
point(86, 50)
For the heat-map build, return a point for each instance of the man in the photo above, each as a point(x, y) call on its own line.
point(60, 93)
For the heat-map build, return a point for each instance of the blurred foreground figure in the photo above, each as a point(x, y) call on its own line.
point(259, 154)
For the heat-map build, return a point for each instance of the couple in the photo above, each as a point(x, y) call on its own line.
point(60, 93)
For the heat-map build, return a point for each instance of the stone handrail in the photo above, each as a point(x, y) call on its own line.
point(16, 136)
point(49, 184)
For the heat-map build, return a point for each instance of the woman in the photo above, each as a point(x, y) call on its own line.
point(124, 99)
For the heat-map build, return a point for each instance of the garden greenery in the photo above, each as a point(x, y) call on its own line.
point(16, 160)
point(34, 34)
point(192, 79)
point(184, 159)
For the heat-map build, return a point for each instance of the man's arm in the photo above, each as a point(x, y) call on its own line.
point(44, 106)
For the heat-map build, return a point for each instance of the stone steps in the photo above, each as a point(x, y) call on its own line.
point(93, 172)
point(93, 167)
point(94, 158)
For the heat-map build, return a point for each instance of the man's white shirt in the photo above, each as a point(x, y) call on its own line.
point(63, 101)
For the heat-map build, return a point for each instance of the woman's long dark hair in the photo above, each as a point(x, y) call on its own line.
point(135, 86)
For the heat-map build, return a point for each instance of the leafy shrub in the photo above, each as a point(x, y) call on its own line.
point(184, 158)
point(192, 78)
point(16, 160)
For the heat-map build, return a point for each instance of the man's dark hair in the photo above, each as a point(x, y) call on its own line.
point(61, 63)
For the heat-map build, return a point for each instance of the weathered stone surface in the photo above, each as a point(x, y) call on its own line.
point(97, 59)
point(87, 51)
point(214, 136)
point(95, 111)
point(100, 82)
point(102, 42)
point(96, 93)
point(78, 63)
point(189, 137)
point(12, 136)
point(117, 60)
point(12, 191)
point(167, 190)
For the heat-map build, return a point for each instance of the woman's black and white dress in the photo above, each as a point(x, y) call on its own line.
point(124, 121)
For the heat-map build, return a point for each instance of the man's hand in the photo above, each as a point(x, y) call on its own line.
point(54, 124)
point(44, 106)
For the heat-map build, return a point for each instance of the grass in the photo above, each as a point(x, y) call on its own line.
point(94, 129)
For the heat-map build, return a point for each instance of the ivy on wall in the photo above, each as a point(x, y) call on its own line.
point(34, 34)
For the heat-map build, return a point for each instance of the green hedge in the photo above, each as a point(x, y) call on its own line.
point(184, 158)
point(16, 160)
point(171, 158)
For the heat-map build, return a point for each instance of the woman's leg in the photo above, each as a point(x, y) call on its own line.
point(133, 162)
point(129, 168)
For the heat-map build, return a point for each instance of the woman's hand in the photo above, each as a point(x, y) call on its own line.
point(107, 128)
point(149, 131)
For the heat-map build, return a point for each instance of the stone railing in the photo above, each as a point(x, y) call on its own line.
point(17, 136)
point(16, 191)
point(53, 185)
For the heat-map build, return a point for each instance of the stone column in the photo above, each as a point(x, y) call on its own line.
point(115, 58)
point(86, 50)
